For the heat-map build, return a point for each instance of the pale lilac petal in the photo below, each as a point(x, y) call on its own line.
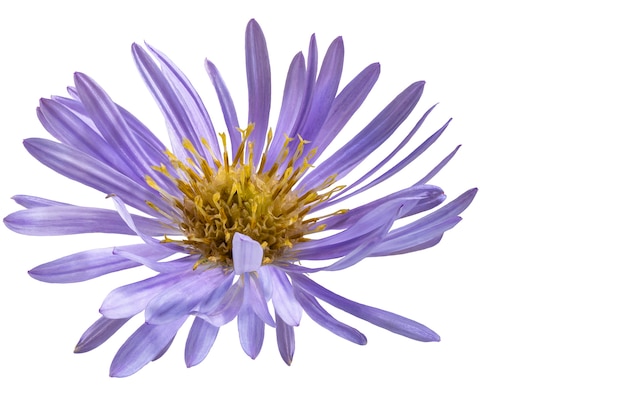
point(143, 346)
point(247, 254)
point(283, 298)
point(439, 166)
point(253, 296)
point(251, 331)
point(228, 307)
point(29, 201)
point(89, 264)
point(175, 265)
point(69, 220)
point(378, 317)
point(98, 333)
point(286, 340)
point(128, 300)
point(201, 337)
point(184, 296)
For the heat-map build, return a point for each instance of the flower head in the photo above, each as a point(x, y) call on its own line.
point(228, 221)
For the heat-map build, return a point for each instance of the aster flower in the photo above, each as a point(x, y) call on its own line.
point(228, 221)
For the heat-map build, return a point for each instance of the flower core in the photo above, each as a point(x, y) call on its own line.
point(219, 199)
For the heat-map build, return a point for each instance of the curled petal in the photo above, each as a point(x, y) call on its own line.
point(247, 254)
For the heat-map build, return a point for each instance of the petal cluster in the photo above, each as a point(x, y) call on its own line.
point(103, 146)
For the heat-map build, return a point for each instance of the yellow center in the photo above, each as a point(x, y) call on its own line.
point(239, 197)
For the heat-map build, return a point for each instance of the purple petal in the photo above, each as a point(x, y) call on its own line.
point(292, 101)
point(29, 201)
point(89, 264)
point(369, 139)
point(87, 170)
point(201, 337)
point(253, 296)
point(259, 86)
point(251, 331)
point(325, 90)
point(226, 103)
point(414, 199)
point(191, 101)
point(98, 333)
point(143, 346)
point(228, 307)
point(321, 317)
point(69, 220)
point(418, 239)
point(71, 130)
point(344, 106)
point(247, 254)
point(283, 298)
point(182, 297)
point(286, 340)
point(343, 194)
point(112, 125)
point(381, 318)
point(128, 300)
point(439, 166)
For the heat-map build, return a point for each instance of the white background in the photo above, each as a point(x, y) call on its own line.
point(526, 292)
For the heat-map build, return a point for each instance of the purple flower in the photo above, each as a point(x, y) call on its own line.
point(229, 220)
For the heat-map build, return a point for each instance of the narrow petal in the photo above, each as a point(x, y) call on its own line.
point(143, 346)
point(86, 265)
point(293, 94)
point(69, 220)
point(29, 201)
point(98, 333)
point(414, 199)
point(285, 337)
point(227, 105)
point(367, 140)
point(321, 317)
point(247, 254)
point(344, 106)
point(259, 86)
point(325, 90)
point(201, 337)
point(381, 318)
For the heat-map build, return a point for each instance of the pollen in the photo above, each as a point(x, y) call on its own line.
point(220, 197)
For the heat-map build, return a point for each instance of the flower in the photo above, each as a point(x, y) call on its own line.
point(228, 222)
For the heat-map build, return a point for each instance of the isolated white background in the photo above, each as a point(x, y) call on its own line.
point(526, 292)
